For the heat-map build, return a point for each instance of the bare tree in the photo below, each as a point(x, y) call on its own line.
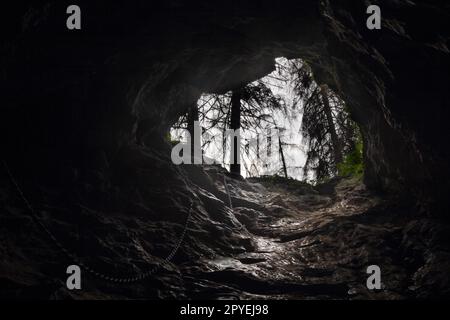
point(235, 124)
point(283, 160)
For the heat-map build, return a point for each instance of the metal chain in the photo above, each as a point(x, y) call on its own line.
point(228, 191)
point(137, 277)
point(242, 227)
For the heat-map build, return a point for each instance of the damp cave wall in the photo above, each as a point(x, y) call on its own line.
point(74, 99)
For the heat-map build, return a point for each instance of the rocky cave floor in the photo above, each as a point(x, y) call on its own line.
point(281, 240)
point(316, 243)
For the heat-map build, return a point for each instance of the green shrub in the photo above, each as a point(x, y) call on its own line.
point(171, 140)
point(353, 162)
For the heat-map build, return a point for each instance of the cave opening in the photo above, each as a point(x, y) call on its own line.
point(85, 133)
point(309, 124)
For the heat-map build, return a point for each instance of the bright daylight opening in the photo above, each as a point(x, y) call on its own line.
point(289, 126)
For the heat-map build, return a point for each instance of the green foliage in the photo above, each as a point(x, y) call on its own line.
point(173, 141)
point(353, 165)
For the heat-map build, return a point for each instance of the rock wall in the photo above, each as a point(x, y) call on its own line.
point(75, 98)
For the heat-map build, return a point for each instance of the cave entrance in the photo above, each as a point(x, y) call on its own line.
point(288, 125)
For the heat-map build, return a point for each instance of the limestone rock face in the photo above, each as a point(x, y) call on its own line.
point(133, 69)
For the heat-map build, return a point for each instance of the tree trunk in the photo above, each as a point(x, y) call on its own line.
point(235, 124)
point(283, 161)
point(257, 146)
point(337, 149)
point(193, 116)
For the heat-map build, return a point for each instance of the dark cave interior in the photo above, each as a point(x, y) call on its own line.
point(85, 114)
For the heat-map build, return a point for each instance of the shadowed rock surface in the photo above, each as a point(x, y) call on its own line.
point(83, 120)
point(133, 69)
point(276, 243)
